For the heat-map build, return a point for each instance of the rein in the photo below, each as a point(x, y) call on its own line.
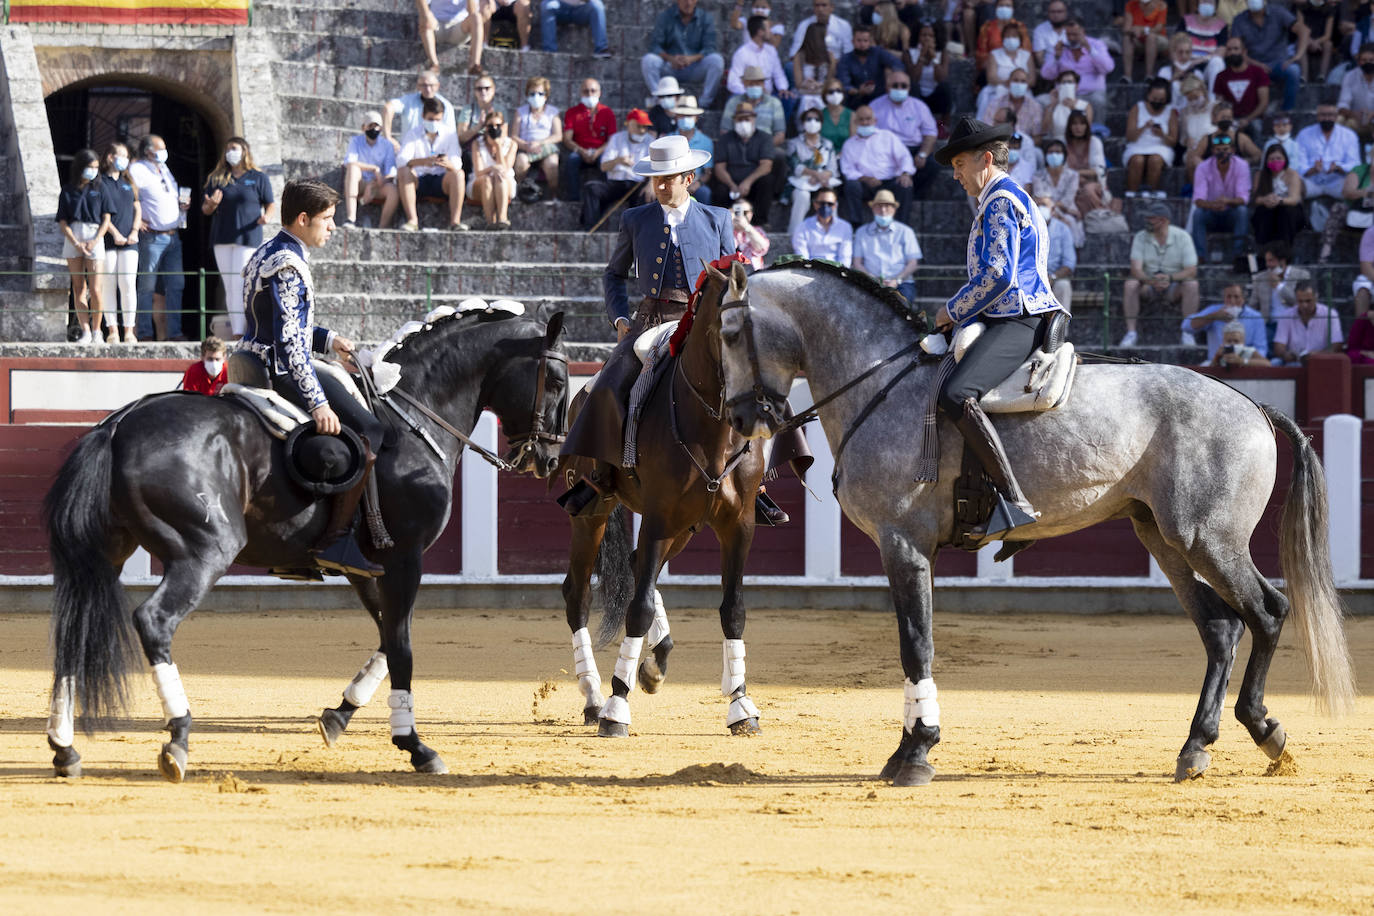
point(712, 483)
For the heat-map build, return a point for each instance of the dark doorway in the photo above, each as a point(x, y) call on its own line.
point(95, 116)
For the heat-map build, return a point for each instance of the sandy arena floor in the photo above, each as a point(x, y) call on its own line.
point(1053, 793)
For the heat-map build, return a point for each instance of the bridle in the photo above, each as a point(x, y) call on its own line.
point(769, 401)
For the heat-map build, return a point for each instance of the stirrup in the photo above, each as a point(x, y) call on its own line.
point(1007, 516)
point(343, 555)
point(767, 512)
point(578, 497)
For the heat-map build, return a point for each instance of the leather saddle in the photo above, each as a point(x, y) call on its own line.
point(1042, 382)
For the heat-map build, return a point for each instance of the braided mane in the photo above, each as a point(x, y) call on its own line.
point(866, 282)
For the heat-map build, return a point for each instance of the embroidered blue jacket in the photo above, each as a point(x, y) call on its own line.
point(1008, 255)
point(644, 241)
point(279, 305)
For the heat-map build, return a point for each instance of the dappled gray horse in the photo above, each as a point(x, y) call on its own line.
point(1190, 461)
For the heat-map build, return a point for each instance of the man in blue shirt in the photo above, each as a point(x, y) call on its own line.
point(888, 249)
point(1265, 29)
point(370, 172)
point(684, 46)
point(863, 71)
point(1232, 308)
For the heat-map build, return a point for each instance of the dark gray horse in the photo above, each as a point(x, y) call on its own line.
point(1190, 461)
point(200, 484)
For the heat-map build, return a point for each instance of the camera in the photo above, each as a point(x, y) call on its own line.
point(1230, 348)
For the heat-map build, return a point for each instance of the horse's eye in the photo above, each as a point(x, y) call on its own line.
point(729, 335)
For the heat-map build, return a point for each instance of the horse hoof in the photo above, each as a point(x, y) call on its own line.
point(1273, 745)
point(66, 762)
point(1192, 765)
point(591, 715)
point(609, 729)
point(746, 727)
point(172, 762)
point(651, 677)
point(434, 765)
point(914, 774)
point(889, 770)
point(332, 727)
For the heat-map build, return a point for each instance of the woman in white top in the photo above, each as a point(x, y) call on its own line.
point(813, 166)
point(539, 131)
point(1062, 102)
point(1060, 183)
point(1151, 132)
point(1195, 114)
point(492, 184)
point(1183, 63)
point(929, 69)
point(813, 65)
point(1086, 157)
point(1002, 63)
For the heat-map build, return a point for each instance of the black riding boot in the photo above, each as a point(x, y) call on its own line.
point(341, 552)
point(1012, 509)
point(767, 512)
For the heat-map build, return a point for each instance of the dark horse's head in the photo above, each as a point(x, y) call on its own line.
point(528, 390)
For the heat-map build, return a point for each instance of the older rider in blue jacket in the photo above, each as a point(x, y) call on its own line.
point(1008, 291)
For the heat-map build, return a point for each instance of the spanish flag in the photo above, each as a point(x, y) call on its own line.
point(132, 12)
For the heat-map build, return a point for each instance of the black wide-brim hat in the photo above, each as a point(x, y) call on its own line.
point(324, 465)
point(971, 133)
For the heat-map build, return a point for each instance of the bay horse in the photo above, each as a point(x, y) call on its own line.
point(1189, 460)
point(200, 484)
point(693, 470)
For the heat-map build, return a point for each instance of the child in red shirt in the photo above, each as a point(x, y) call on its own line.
point(209, 374)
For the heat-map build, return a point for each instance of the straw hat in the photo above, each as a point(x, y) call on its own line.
point(671, 156)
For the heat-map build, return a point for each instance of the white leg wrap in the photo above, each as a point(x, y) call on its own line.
point(365, 683)
point(61, 718)
point(584, 662)
point(659, 628)
point(920, 704)
point(741, 709)
point(402, 712)
point(732, 678)
point(170, 691)
point(627, 665)
point(617, 709)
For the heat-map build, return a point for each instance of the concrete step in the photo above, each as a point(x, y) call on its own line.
point(440, 249)
point(374, 317)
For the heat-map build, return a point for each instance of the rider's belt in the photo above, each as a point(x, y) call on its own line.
point(678, 296)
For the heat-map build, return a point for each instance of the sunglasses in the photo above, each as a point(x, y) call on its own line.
point(1221, 141)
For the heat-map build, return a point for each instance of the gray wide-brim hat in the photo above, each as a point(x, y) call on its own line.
point(671, 155)
point(970, 133)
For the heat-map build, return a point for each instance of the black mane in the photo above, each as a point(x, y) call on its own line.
point(866, 282)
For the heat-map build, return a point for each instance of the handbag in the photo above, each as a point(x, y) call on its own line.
point(1104, 221)
point(1359, 219)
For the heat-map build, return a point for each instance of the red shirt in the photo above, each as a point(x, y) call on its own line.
point(197, 379)
point(1241, 89)
point(590, 131)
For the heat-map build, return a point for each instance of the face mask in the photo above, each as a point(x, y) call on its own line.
point(744, 129)
point(212, 366)
point(1068, 91)
point(761, 11)
point(877, 18)
point(1367, 66)
point(121, 162)
point(834, 98)
point(1327, 125)
point(536, 99)
point(1054, 160)
point(811, 126)
point(1198, 103)
point(754, 92)
point(1013, 155)
point(493, 131)
point(372, 133)
point(883, 221)
point(1004, 13)
point(1205, 10)
point(898, 96)
point(233, 156)
point(1254, 6)
point(1275, 166)
point(431, 128)
point(90, 172)
point(160, 155)
point(636, 136)
point(1234, 60)
point(1156, 104)
point(825, 211)
point(590, 100)
point(687, 123)
point(1283, 136)
point(866, 130)
point(1017, 89)
point(1045, 212)
point(1011, 43)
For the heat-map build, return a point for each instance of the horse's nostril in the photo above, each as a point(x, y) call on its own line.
point(738, 422)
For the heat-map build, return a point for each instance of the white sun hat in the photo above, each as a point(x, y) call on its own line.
point(671, 155)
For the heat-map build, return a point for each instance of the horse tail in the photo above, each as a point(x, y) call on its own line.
point(1305, 558)
point(616, 575)
point(91, 633)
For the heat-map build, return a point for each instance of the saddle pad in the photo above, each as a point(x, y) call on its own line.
point(340, 375)
point(278, 414)
point(653, 339)
point(1042, 382)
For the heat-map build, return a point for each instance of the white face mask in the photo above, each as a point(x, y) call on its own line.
point(536, 99)
point(1045, 212)
point(811, 126)
point(90, 173)
point(1254, 5)
point(121, 162)
point(1206, 10)
point(1017, 89)
point(591, 100)
point(160, 155)
point(431, 128)
point(877, 18)
point(834, 98)
point(212, 366)
point(744, 128)
point(233, 156)
point(1011, 43)
point(1068, 91)
point(1004, 13)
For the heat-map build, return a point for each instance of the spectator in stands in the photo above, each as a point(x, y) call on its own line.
point(1163, 265)
point(994, 33)
point(492, 184)
point(470, 119)
point(1320, 19)
point(617, 178)
point(666, 95)
point(1207, 32)
point(813, 67)
point(1089, 58)
point(744, 165)
point(811, 165)
point(1309, 327)
point(973, 14)
point(369, 173)
point(839, 34)
point(586, 128)
point(238, 199)
point(1062, 260)
point(929, 70)
point(1356, 103)
point(687, 113)
point(1215, 318)
point(591, 13)
point(411, 108)
point(1013, 102)
point(1195, 115)
point(1144, 32)
point(520, 12)
point(1277, 213)
point(769, 116)
point(750, 240)
point(1274, 288)
point(1233, 352)
point(684, 46)
point(872, 160)
point(452, 22)
point(888, 30)
point(119, 293)
point(1244, 83)
point(863, 71)
point(538, 132)
point(84, 209)
point(431, 165)
point(912, 123)
point(1356, 192)
point(1222, 123)
point(1023, 160)
point(1328, 151)
point(1151, 134)
point(824, 234)
point(160, 280)
point(1059, 183)
point(739, 19)
point(888, 249)
point(758, 54)
point(1063, 102)
point(1281, 132)
point(208, 374)
point(835, 117)
point(1050, 31)
point(1183, 64)
point(1221, 195)
point(1360, 347)
point(1264, 30)
point(1084, 154)
point(1363, 287)
point(1001, 63)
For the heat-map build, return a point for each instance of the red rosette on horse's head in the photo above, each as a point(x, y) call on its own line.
point(685, 324)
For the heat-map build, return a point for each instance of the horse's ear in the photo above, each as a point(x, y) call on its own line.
point(553, 329)
point(712, 272)
point(739, 282)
